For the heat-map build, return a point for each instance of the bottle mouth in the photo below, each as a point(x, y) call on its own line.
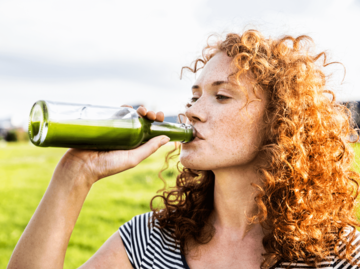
point(37, 127)
point(190, 130)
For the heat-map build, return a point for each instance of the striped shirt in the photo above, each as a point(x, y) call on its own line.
point(155, 248)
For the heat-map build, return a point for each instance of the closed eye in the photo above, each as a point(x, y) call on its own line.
point(218, 97)
point(224, 97)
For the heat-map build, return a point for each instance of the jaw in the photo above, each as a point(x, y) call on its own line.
point(192, 157)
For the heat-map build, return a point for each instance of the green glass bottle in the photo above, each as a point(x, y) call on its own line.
point(67, 125)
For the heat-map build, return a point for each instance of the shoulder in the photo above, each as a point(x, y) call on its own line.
point(135, 235)
point(147, 244)
point(352, 236)
point(138, 224)
point(333, 261)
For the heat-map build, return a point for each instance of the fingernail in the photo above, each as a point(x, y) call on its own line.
point(164, 140)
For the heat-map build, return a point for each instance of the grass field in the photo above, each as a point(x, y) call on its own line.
point(25, 172)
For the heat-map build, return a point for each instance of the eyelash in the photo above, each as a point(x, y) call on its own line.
point(192, 100)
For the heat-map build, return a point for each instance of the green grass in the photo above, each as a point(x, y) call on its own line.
point(25, 172)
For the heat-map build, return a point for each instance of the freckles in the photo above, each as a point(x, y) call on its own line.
point(236, 135)
point(234, 129)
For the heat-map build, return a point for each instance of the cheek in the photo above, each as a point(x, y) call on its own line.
point(231, 140)
point(221, 145)
point(236, 140)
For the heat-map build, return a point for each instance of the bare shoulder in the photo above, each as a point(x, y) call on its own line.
point(111, 254)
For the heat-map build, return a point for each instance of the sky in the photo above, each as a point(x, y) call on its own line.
point(131, 52)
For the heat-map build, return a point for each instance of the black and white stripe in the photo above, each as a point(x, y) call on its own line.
point(149, 248)
point(154, 248)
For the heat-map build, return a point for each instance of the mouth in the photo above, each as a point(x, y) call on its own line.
point(198, 135)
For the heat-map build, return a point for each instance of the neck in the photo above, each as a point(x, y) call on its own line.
point(234, 199)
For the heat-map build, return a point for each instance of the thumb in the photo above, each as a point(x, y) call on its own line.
point(145, 150)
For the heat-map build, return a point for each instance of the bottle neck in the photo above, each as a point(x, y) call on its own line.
point(175, 131)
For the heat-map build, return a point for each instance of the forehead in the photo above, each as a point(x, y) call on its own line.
point(218, 68)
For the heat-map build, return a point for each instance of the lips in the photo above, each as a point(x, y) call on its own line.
point(198, 134)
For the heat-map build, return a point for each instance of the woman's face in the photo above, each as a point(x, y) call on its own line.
point(232, 133)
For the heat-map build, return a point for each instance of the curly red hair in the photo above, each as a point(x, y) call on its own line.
point(308, 196)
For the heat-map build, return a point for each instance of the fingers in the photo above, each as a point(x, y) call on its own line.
point(126, 106)
point(142, 111)
point(159, 116)
point(100, 164)
point(151, 115)
point(137, 155)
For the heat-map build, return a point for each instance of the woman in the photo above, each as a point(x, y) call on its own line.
point(267, 183)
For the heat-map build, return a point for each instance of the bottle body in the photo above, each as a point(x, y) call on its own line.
point(97, 127)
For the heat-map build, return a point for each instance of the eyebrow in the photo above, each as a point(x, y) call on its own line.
point(218, 83)
point(215, 83)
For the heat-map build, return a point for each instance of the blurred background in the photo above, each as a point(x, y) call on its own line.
point(129, 52)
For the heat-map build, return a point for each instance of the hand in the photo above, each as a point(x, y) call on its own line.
point(142, 111)
point(88, 166)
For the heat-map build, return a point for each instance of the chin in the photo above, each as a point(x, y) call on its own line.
point(195, 159)
point(192, 163)
point(188, 162)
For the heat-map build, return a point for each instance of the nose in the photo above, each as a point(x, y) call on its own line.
point(195, 113)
